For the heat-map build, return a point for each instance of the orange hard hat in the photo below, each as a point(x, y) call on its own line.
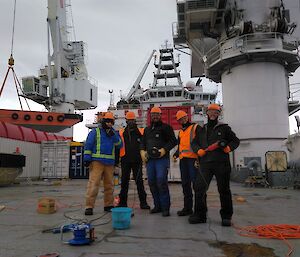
point(180, 114)
point(109, 115)
point(155, 110)
point(130, 116)
point(214, 107)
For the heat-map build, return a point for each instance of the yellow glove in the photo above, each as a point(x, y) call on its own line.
point(227, 149)
point(162, 152)
point(144, 156)
point(201, 152)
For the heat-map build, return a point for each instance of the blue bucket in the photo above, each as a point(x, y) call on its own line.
point(121, 217)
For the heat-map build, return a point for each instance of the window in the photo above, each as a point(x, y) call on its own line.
point(91, 94)
point(161, 94)
point(178, 93)
point(170, 93)
point(153, 94)
point(205, 97)
point(192, 96)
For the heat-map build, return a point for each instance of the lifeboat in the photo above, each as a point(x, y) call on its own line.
point(53, 122)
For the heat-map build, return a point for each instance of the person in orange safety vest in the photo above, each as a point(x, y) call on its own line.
point(187, 162)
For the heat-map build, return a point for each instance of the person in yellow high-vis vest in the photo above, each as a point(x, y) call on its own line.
point(99, 156)
point(131, 161)
point(187, 158)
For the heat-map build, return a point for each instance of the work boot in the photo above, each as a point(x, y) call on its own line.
point(226, 222)
point(196, 218)
point(144, 206)
point(108, 208)
point(184, 212)
point(166, 213)
point(88, 211)
point(155, 210)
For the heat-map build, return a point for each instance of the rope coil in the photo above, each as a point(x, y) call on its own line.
point(270, 231)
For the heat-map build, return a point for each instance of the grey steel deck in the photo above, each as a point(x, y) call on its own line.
point(149, 234)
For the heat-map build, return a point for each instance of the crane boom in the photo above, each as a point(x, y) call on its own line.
point(135, 86)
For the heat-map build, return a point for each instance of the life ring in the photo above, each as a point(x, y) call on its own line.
point(39, 117)
point(60, 118)
point(27, 117)
point(50, 118)
point(15, 116)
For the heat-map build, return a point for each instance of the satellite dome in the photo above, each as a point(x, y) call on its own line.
point(190, 85)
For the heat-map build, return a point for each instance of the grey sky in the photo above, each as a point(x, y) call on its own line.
point(120, 35)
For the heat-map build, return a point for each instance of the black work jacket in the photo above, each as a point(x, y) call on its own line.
point(132, 141)
point(220, 131)
point(159, 135)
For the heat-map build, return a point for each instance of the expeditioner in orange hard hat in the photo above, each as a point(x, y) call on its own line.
point(131, 161)
point(158, 140)
point(109, 115)
point(214, 161)
point(187, 158)
point(155, 110)
point(99, 156)
point(214, 107)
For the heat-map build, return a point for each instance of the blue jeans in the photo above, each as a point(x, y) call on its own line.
point(188, 176)
point(157, 171)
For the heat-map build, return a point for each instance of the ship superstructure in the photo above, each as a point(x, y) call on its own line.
point(167, 91)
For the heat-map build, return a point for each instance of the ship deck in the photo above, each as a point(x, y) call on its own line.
point(150, 234)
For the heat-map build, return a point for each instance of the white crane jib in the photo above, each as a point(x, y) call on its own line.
point(63, 85)
point(136, 84)
point(67, 77)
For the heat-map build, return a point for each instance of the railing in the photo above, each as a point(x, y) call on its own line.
point(295, 92)
point(128, 106)
point(201, 4)
point(253, 42)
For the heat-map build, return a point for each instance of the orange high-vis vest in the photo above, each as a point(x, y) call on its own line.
point(122, 150)
point(186, 137)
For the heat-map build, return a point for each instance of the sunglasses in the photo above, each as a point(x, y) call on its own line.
point(109, 121)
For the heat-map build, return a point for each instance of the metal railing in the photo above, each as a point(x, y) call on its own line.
point(201, 4)
point(252, 43)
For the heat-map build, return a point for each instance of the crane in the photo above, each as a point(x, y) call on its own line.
point(136, 84)
point(63, 84)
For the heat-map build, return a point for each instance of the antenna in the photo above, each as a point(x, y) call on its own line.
point(111, 102)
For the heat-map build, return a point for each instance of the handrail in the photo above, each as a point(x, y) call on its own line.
point(201, 4)
point(245, 42)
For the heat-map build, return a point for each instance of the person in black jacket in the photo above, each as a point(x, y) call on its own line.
point(131, 160)
point(158, 140)
point(213, 143)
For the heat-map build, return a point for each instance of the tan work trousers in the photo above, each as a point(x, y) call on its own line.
point(97, 171)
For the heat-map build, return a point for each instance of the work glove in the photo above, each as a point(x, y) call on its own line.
point(175, 158)
point(162, 152)
point(144, 156)
point(201, 152)
point(227, 149)
point(86, 163)
point(110, 132)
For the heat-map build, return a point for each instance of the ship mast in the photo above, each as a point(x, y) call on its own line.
point(166, 66)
